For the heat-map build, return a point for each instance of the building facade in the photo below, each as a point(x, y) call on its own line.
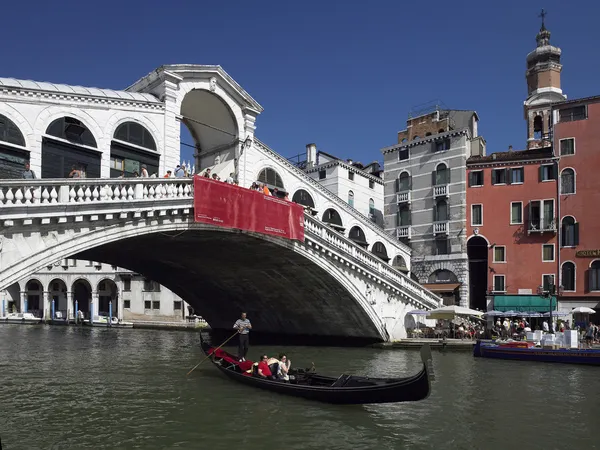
point(425, 196)
point(94, 287)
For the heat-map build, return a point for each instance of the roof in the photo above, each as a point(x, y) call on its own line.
point(77, 90)
point(515, 155)
point(593, 98)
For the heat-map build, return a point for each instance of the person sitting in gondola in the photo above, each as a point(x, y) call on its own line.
point(263, 370)
point(284, 368)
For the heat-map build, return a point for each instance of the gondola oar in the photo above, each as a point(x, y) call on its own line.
point(213, 352)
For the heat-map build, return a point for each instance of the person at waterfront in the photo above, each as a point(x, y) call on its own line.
point(284, 368)
point(263, 369)
point(144, 173)
point(589, 335)
point(243, 326)
point(28, 174)
point(229, 179)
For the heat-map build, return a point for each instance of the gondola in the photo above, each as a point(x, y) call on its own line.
point(344, 390)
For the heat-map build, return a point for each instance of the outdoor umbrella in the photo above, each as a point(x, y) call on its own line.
point(493, 313)
point(583, 310)
point(449, 312)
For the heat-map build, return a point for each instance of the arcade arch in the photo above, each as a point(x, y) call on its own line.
point(131, 148)
point(13, 154)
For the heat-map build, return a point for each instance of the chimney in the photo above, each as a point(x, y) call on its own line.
point(510, 148)
point(311, 155)
point(350, 161)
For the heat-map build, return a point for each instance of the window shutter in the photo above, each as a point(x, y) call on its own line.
point(448, 171)
point(563, 235)
point(471, 175)
point(576, 233)
point(493, 177)
point(435, 212)
point(397, 185)
point(433, 178)
point(409, 218)
point(508, 175)
point(541, 173)
point(482, 179)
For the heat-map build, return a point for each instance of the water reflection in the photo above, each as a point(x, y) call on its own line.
point(107, 389)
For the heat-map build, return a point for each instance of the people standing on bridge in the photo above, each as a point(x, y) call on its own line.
point(144, 173)
point(179, 172)
point(28, 174)
point(243, 326)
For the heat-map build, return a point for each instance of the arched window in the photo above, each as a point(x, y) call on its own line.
point(271, 178)
point(441, 175)
point(357, 235)
point(569, 236)
point(403, 182)
point(303, 198)
point(567, 181)
point(332, 217)
point(416, 138)
point(10, 133)
point(380, 251)
point(403, 217)
point(538, 125)
point(135, 134)
point(442, 276)
point(440, 211)
point(399, 263)
point(428, 134)
point(567, 277)
point(404, 141)
point(371, 207)
point(351, 198)
point(594, 272)
point(441, 130)
point(60, 158)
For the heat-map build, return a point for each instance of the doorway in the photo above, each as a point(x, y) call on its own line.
point(477, 252)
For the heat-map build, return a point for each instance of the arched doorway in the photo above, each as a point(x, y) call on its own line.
point(11, 303)
point(82, 294)
point(34, 293)
point(57, 291)
point(445, 284)
point(357, 235)
point(75, 148)
point(108, 294)
point(477, 252)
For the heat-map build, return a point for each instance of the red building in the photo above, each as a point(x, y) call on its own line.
point(576, 137)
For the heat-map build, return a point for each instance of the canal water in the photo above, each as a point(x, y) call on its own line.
point(81, 388)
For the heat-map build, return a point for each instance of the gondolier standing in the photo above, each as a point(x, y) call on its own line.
point(243, 326)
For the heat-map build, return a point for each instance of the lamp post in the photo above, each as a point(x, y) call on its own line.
point(549, 294)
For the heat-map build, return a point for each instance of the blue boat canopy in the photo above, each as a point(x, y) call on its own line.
point(523, 303)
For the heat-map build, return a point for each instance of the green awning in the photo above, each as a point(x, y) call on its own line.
point(523, 303)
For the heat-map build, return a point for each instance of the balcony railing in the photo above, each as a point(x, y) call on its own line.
point(403, 197)
point(403, 232)
point(440, 227)
point(440, 191)
point(542, 225)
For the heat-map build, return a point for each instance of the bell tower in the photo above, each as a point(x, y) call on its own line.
point(543, 88)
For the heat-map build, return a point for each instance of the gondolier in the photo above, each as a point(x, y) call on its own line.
point(243, 326)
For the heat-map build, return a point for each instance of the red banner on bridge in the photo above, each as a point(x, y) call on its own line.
point(231, 206)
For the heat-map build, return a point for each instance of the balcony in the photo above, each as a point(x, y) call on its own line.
point(403, 197)
point(440, 191)
point(403, 232)
point(440, 228)
point(542, 225)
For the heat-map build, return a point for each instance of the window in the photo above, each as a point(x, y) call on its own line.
point(151, 286)
point(567, 147)
point(371, 207)
point(156, 304)
point(476, 215)
point(351, 176)
point(136, 134)
point(499, 283)
point(303, 198)
point(548, 282)
point(517, 175)
point(541, 215)
point(322, 174)
point(403, 182)
point(403, 154)
point(538, 125)
point(572, 114)
point(547, 172)
point(403, 217)
point(127, 284)
point(567, 181)
point(442, 146)
point(441, 175)
point(102, 286)
point(351, 198)
point(114, 268)
point(127, 304)
point(371, 184)
point(476, 178)
point(548, 252)
point(499, 176)
point(9, 132)
point(516, 213)
point(567, 276)
point(569, 234)
point(441, 246)
point(177, 305)
point(594, 272)
point(440, 212)
point(147, 304)
point(271, 178)
point(499, 253)
point(90, 263)
point(72, 130)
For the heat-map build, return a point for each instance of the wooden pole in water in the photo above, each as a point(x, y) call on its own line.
point(213, 352)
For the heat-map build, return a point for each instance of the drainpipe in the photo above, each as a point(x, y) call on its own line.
point(556, 159)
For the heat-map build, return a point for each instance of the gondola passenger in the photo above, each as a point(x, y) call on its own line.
point(263, 370)
point(284, 368)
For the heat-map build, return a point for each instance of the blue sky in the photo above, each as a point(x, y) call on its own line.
point(342, 74)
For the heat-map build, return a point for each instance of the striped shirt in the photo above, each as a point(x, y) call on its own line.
point(241, 324)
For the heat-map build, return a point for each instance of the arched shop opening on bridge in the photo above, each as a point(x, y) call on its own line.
point(270, 178)
point(357, 235)
point(131, 147)
point(34, 295)
point(380, 251)
point(303, 198)
point(69, 144)
point(445, 284)
point(108, 298)
point(399, 263)
point(57, 292)
point(477, 252)
point(82, 294)
point(13, 151)
point(333, 219)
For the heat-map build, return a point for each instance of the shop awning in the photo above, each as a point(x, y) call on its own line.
point(441, 287)
point(523, 303)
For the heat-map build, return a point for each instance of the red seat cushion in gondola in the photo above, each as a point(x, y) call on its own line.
point(243, 365)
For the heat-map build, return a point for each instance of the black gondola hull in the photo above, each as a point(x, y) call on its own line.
point(409, 389)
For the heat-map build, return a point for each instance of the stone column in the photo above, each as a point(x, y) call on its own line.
point(22, 299)
point(121, 307)
point(70, 304)
point(46, 305)
point(94, 304)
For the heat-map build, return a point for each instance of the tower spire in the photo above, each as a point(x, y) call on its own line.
point(543, 16)
point(543, 37)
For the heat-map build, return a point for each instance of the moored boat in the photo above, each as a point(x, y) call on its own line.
point(529, 352)
point(105, 321)
point(345, 389)
point(21, 318)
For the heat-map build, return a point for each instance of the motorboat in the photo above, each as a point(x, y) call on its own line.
point(21, 318)
point(344, 389)
point(105, 321)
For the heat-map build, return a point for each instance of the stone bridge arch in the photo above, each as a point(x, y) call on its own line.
point(284, 286)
